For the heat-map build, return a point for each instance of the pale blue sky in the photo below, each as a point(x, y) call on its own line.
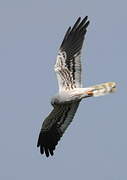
point(95, 145)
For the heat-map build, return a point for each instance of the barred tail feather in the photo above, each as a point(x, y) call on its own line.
point(103, 89)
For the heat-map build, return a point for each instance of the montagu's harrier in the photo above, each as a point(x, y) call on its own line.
point(66, 102)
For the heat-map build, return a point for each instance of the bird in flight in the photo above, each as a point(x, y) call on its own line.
point(66, 101)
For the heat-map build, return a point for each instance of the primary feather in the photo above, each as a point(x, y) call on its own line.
point(68, 64)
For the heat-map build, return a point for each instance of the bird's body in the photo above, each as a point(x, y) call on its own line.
point(69, 96)
point(66, 101)
point(79, 93)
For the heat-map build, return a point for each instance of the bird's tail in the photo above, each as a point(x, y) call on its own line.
point(100, 89)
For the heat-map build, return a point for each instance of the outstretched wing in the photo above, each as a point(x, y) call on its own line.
point(54, 126)
point(68, 63)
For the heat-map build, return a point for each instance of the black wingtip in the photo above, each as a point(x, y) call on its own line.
point(76, 24)
point(79, 18)
point(38, 142)
point(87, 23)
point(48, 140)
point(80, 23)
point(84, 19)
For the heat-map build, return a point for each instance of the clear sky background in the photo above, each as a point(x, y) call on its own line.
point(94, 146)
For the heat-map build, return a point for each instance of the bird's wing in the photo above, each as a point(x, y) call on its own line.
point(54, 126)
point(68, 63)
